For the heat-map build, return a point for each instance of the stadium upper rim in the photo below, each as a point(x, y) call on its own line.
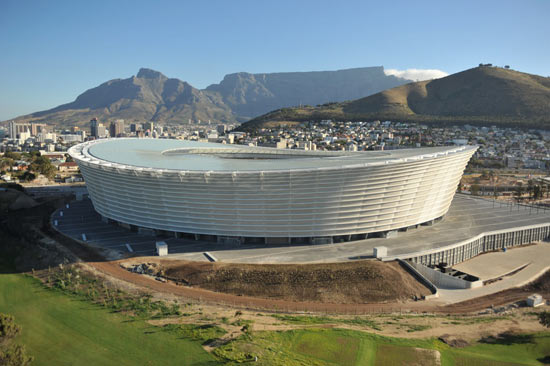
point(168, 155)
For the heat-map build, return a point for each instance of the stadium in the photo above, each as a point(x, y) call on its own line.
point(255, 194)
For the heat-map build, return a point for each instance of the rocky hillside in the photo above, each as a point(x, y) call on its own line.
point(147, 96)
point(485, 95)
point(250, 95)
point(151, 96)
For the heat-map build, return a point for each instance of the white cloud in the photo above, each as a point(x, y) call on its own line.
point(417, 74)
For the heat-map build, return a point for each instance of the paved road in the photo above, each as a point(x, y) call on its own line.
point(466, 218)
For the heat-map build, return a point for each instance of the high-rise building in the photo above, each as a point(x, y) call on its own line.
point(16, 128)
point(23, 136)
point(116, 129)
point(37, 128)
point(102, 131)
point(134, 127)
point(149, 126)
point(97, 129)
point(82, 133)
point(46, 137)
point(93, 127)
point(12, 130)
point(221, 129)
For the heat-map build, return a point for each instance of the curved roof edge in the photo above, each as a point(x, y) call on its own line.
point(82, 154)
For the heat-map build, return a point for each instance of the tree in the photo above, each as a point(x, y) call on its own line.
point(27, 177)
point(544, 318)
point(6, 163)
point(8, 328)
point(43, 166)
point(12, 155)
point(15, 356)
point(11, 354)
point(530, 186)
point(537, 192)
point(519, 190)
point(474, 189)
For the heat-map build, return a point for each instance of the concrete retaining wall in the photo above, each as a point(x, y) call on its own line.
point(482, 243)
point(443, 280)
point(421, 278)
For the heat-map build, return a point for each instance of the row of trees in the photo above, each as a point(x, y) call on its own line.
point(534, 191)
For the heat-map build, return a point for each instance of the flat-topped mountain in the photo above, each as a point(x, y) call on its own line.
point(485, 95)
point(151, 96)
point(250, 95)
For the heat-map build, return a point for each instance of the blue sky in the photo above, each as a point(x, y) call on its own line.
point(51, 51)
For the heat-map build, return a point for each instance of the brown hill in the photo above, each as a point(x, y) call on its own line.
point(480, 95)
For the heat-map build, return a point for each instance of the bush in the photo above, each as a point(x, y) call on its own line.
point(12, 155)
point(42, 165)
point(11, 354)
point(203, 333)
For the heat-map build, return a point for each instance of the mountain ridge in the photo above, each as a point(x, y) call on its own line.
point(480, 95)
point(151, 96)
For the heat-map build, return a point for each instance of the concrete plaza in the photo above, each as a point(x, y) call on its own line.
point(467, 217)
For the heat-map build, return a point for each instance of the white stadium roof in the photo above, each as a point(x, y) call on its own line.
point(180, 155)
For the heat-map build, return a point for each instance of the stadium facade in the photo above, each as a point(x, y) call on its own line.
point(242, 193)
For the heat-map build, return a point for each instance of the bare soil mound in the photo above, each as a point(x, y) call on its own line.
point(344, 283)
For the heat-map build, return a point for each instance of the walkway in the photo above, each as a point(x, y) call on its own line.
point(466, 218)
point(492, 265)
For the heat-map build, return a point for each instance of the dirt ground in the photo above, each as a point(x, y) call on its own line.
point(172, 289)
point(355, 282)
point(114, 270)
point(418, 326)
point(359, 287)
point(404, 324)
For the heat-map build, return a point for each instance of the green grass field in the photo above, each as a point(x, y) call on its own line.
point(341, 347)
point(62, 330)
